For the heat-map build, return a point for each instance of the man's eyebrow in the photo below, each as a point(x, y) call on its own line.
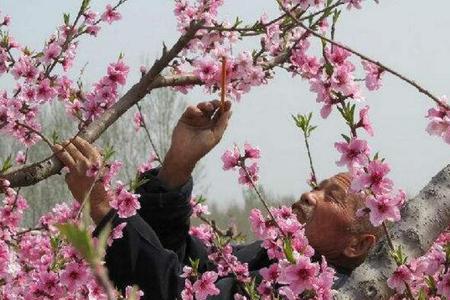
point(324, 183)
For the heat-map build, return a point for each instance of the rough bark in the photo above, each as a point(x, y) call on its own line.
point(423, 218)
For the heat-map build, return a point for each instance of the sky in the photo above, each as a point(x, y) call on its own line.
point(407, 35)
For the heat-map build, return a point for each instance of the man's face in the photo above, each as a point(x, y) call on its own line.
point(328, 214)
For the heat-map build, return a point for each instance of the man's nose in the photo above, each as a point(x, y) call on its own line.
point(308, 198)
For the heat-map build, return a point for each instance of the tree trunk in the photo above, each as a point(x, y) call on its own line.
point(423, 218)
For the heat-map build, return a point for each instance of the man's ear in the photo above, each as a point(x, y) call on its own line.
point(359, 245)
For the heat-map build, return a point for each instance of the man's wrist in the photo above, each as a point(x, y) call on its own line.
point(175, 171)
point(98, 212)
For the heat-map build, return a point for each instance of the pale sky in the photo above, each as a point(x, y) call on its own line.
point(408, 35)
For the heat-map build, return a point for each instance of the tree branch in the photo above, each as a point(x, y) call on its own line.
point(31, 174)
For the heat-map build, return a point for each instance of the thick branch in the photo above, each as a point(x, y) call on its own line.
point(431, 209)
point(31, 174)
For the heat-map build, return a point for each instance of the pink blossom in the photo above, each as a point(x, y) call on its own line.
point(93, 30)
point(44, 91)
point(110, 15)
point(20, 158)
point(364, 121)
point(90, 16)
point(354, 154)
point(375, 178)
point(24, 68)
point(250, 176)
point(125, 202)
point(439, 121)
point(354, 4)
point(373, 77)
point(74, 275)
point(385, 207)
point(6, 20)
point(325, 280)
point(338, 56)
point(111, 170)
point(188, 291)
point(93, 170)
point(323, 91)
point(258, 223)
point(203, 232)
point(51, 52)
point(443, 286)
point(399, 278)
point(205, 287)
point(271, 273)
point(251, 152)
point(300, 276)
point(198, 208)
point(343, 82)
point(117, 72)
point(138, 121)
point(231, 158)
point(149, 164)
point(206, 70)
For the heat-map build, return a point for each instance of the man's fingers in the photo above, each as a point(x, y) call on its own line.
point(88, 150)
point(77, 156)
point(193, 112)
point(64, 157)
point(222, 123)
point(206, 107)
point(218, 104)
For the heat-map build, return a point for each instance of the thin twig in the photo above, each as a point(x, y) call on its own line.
point(310, 157)
point(261, 198)
point(147, 131)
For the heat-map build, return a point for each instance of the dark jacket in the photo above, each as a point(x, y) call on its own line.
point(156, 245)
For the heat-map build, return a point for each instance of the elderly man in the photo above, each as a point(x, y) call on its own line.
point(156, 244)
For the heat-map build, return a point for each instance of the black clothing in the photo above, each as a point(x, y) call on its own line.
point(156, 245)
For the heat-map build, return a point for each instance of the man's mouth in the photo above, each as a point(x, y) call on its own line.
point(302, 212)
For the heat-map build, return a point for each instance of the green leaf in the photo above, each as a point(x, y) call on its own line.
point(329, 69)
point(66, 19)
point(346, 138)
point(7, 164)
point(422, 295)
point(108, 152)
point(80, 239)
point(54, 136)
point(288, 250)
point(84, 5)
point(137, 182)
point(103, 238)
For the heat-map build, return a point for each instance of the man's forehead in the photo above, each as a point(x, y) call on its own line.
point(341, 180)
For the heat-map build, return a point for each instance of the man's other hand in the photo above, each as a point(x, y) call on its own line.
point(198, 131)
point(78, 156)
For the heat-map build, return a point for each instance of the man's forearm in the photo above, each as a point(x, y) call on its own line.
point(175, 171)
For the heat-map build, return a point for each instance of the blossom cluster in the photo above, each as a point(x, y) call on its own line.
point(37, 84)
point(428, 275)
point(233, 159)
point(439, 121)
point(37, 263)
point(294, 272)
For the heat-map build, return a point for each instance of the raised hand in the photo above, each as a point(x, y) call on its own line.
point(198, 131)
